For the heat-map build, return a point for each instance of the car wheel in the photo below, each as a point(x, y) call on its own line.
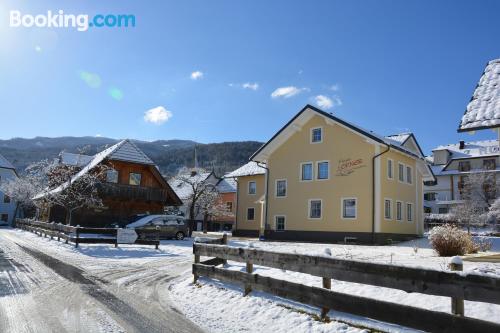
point(179, 235)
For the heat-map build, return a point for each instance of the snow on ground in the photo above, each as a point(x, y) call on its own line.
point(220, 307)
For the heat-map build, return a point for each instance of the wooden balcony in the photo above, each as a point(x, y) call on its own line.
point(130, 192)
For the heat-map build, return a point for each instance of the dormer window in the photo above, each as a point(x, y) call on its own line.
point(317, 135)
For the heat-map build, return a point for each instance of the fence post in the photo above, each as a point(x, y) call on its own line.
point(224, 242)
point(77, 236)
point(58, 227)
point(248, 287)
point(196, 261)
point(116, 238)
point(157, 237)
point(52, 230)
point(457, 303)
point(327, 284)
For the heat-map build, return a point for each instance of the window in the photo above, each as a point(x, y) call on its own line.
point(431, 196)
point(387, 209)
point(390, 171)
point(280, 223)
point(6, 199)
point(409, 212)
point(464, 166)
point(401, 172)
point(349, 208)
point(316, 135)
point(489, 164)
point(229, 206)
point(252, 187)
point(409, 175)
point(443, 210)
point(323, 170)
point(4, 217)
point(399, 210)
point(315, 209)
point(250, 214)
point(281, 188)
point(306, 171)
point(134, 179)
point(112, 176)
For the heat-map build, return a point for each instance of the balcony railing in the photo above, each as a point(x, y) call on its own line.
point(130, 192)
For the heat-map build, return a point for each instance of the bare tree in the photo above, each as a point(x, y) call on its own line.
point(73, 193)
point(195, 181)
point(211, 206)
point(25, 187)
point(478, 191)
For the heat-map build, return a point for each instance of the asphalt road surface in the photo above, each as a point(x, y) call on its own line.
point(45, 292)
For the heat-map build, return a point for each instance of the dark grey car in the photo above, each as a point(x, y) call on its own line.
point(170, 226)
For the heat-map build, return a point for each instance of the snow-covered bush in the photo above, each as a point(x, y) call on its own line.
point(448, 240)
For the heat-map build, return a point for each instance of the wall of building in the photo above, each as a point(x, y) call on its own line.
point(7, 209)
point(245, 201)
point(396, 190)
point(349, 157)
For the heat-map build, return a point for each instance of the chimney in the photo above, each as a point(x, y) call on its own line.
point(462, 144)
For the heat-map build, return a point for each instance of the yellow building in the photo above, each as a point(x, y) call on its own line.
point(325, 179)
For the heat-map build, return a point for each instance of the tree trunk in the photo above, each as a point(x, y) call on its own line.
point(205, 223)
point(15, 214)
point(191, 219)
point(69, 214)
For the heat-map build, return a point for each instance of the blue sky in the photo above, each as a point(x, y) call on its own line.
point(389, 66)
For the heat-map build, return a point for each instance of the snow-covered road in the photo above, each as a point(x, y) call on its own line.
point(93, 289)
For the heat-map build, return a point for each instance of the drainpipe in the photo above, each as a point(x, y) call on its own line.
point(265, 193)
point(373, 187)
point(236, 208)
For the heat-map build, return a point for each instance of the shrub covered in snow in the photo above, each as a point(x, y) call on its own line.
point(448, 240)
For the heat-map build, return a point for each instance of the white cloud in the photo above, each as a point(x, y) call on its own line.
point(196, 75)
point(251, 86)
point(335, 87)
point(323, 101)
point(98, 135)
point(287, 92)
point(326, 102)
point(157, 115)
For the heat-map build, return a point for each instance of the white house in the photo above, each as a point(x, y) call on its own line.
point(451, 164)
point(7, 205)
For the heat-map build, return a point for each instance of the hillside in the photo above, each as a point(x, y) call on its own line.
point(169, 155)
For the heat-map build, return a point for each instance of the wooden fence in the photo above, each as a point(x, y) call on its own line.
point(80, 235)
point(459, 287)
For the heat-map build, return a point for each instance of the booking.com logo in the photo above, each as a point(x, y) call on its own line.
point(81, 22)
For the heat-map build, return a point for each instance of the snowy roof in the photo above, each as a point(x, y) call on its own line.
point(123, 151)
point(74, 159)
point(472, 149)
point(483, 110)
point(249, 169)
point(182, 188)
point(226, 185)
point(5, 164)
point(401, 138)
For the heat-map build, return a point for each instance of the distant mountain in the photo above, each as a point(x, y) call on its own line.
point(169, 155)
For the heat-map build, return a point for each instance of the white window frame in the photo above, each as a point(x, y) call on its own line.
point(409, 204)
point(248, 187)
point(246, 216)
point(276, 188)
point(311, 135)
point(309, 210)
point(342, 208)
point(401, 219)
point(391, 177)
point(390, 210)
point(312, 172)
point(317, 170)
point(406, 174)
point(403, 173)
point(276, 222)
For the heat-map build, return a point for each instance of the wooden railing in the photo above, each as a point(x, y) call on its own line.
point(132, 192)
point(80, 235)
point(470, 287)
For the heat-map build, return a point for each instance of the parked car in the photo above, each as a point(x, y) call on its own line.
point(170, 226)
